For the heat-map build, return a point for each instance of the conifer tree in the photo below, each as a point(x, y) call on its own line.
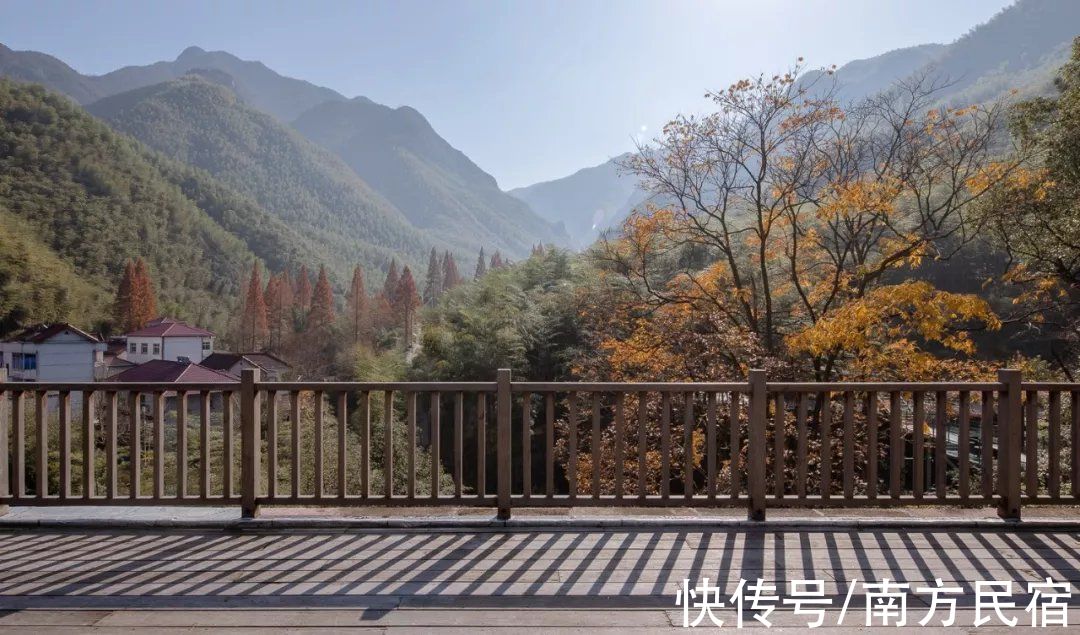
point(145, 302)
point(122, 308)
point(481, 266)
point(302, 294)
point(496, 260)
point(407, 301)
point(389, 288)
point(451, 277)
point(433, 282)
point(358, 304)
point(253, 325)
point(321, 315)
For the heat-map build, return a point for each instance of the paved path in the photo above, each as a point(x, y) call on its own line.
point(619, 579)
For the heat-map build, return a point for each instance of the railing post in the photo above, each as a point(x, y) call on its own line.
point(755, 445)
point(250, 454)
point(1009, 428)
point(502, 443)
point(5, 422)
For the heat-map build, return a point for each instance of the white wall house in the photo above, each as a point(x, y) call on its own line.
point(170, 340)
point(51, 353)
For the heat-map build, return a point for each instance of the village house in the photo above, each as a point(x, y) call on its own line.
point(52, 353)
point(272, 367)
point(170, 340)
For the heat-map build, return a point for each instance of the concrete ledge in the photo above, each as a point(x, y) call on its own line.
point(534, 524)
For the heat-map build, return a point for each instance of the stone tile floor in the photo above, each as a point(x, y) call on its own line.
point(562, 579)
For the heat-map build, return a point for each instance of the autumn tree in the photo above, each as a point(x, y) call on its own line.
point(406, 301)
point(357, 304)
point(451, 277)
point(781, 208)
point(144, 300)
point(390, 283)
point(481, 266)
point(253, 319)
point(433, 281)
point(321, 316)
point(122, 305)
point(279, 309)
point(496, 260)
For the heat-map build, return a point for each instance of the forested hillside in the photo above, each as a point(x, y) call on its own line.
point(203, 123)
point(77, 200)
point(436, 186)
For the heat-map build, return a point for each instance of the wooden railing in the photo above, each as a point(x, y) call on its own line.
point(506, 444)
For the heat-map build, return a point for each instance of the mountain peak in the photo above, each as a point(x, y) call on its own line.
point(190, 52)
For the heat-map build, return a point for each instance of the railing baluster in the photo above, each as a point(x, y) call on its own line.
point(272, 443)
point(665, 445)
point(88, 476)
point(849, 444)
point(549, 446)
point(159, 445)
point(342, 456)
point(459, 415)
point(481, 445)
point(1031, 444)
point(918, 424)
point(710, 445)
point(1054, 482)
point(410, 431)
point(620, 463)
point(526, 445)
point(64, 403)
point(735, 448)
point(986, 444)
point(181, 443)
point(435, 413)
point(896, 444)
point(365, 444)
point(204, 443)
point(320, 398)
point(18, 406)
point(872, 454)
point(963, 454)
point(803, 444)
point(940, 441)
point(688, 445)
point(228, 485)
point(5, 426)
point(825, 430)
point(780, 445)
point(594, 444)
point(294, 464)
point(134, 444)
point(111, 411)
point(41, 407)
point(572, 442)
point(388, 443)
point(1074, 450)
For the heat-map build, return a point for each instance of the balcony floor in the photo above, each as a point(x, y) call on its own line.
point(475, 579)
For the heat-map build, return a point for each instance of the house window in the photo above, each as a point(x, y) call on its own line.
point(157, 349)
point(145, 348)
point(29, 361)
point(133, 348)
point(16, 361)
point(206, 345)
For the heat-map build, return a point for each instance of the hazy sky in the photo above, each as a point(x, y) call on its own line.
point(529, 90)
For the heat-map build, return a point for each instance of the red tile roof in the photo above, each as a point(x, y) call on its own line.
point(168, 327)
point(41, 332)
point(165, 371)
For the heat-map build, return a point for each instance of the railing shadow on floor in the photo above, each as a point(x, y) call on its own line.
point(379, 570)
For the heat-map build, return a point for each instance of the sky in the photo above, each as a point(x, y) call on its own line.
point(529, 90)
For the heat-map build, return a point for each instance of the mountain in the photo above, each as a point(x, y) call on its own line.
point(39, 68)
point(586, 202)
point(205, 124)
point(435, 185)
point(1019, 48)
point(77, 199)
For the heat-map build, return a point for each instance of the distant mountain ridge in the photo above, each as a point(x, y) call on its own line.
point(435, 185)
point(204, 123)
point(588, 201)
point(395, 151)
point(1019, 48)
